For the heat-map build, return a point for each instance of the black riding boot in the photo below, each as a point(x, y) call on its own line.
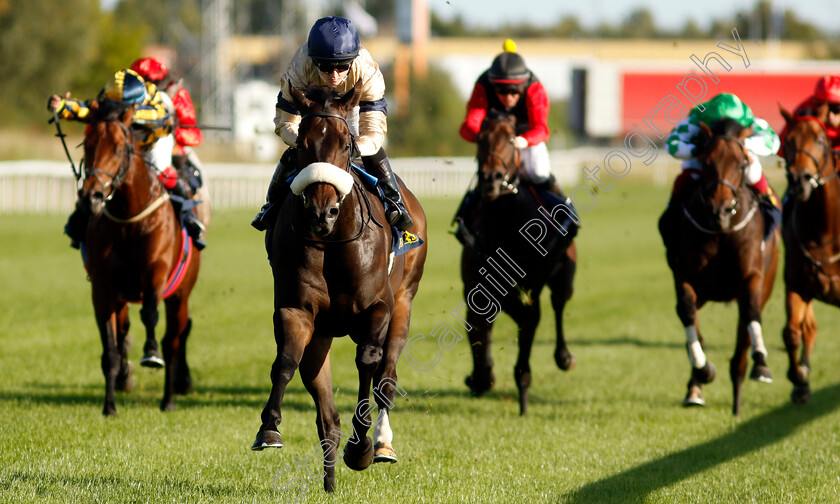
point(190, 220)
point(379, 166)
point(76, 226)
point(277, 190)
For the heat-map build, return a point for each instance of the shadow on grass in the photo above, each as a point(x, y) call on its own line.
point(634, 485)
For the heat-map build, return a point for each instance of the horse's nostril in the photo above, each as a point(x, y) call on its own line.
point(333, 211)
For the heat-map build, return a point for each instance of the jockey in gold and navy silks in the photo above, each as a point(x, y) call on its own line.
point(151, 119)
point(508, 86)
point(370, 118)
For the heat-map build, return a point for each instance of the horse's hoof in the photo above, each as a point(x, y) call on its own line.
point(383, 452)
point(152, 360)
point(760, 372)
point(706, 374)
point(267, 439)
point(109, 411)
point(167, 405)
point(565, 360)
point(480, 387)
point(694, 397)
point(801, 394)
point(359, 456)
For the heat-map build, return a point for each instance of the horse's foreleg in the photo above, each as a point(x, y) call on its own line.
point(480, 335)
point(385, 380)
point(125, 381)
point(702, 370)
point(317, 378)
point(561, 286)
point(106, 321)
point(293, 330)
point(800, 320)
point(527, 321)
point(149, 316)
point(370, 339)
point(174, 345)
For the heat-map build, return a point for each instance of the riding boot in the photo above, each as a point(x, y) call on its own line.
point(379, 166)
point(189, 219)
point(76, 226)
point(277, 190)
point(551, 185)
point(465, 218)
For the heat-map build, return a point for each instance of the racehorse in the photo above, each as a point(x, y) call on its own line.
point(720, 256)
point(500, 245)
point(329, 253)
point(134, 251)
point(811, 230)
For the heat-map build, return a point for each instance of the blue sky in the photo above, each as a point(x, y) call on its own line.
point(668, 13)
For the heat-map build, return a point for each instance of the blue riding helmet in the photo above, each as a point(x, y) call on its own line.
point(333, 38)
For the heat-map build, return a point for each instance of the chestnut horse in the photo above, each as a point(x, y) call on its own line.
point(133, 253)
point(811, 230)
point(720, 256)
point(330, 260)
point(502, 267)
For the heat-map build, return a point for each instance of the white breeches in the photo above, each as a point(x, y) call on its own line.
point(536, 165)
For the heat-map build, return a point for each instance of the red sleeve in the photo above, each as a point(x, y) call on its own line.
point(186, 117)
point(476, 112)
point(537, 114)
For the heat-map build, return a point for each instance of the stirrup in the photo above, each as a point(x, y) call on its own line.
point(260, 221)
point(398, 216)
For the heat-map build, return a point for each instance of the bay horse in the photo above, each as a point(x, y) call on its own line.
point(811, 230)
point(329, 254)
point(134, 251)
point(501, 244)
point(720, 256)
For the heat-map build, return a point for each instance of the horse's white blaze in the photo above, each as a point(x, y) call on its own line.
point(382, 432)
point(695, 352)
point(754, 328)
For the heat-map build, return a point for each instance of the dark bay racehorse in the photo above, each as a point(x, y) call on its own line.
point(330, 260)
point(134, 252)
point(721, 257)
point(812, 239)
point(501, 268)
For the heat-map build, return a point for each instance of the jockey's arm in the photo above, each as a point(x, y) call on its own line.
point(537, 106)
point(680, 142)
point(70, 108)
point(764, 141)
point(476, 112)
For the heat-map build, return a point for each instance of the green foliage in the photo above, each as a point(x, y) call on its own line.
point(429, 126)
point(41, 53)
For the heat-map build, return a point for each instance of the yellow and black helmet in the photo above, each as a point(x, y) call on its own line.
point(127, 87)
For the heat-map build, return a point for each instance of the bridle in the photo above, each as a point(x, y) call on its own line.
point(736, 190)
point(510, 185)
point(820, 179)
point(115, 179)
point(353, 151)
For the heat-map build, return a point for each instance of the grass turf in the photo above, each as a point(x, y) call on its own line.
point(609, 431)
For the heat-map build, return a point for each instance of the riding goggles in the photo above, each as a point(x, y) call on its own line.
point(328, 66)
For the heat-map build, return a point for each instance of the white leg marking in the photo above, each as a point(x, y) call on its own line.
point(754, 328)
point(695, 352)
point(382, 431)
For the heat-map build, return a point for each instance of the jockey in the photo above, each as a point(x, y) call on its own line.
point(333, 56)
point(152, 126)
point(179, 103)
point(509, 86)
point(681, 144)
point(827, 91)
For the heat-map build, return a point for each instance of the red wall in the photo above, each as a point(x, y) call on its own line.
point(642, 92)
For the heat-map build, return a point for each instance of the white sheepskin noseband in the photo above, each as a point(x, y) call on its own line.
point(323, 172)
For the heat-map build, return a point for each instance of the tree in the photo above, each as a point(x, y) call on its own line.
point(41, 53)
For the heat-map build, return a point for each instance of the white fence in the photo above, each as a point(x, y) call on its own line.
point(49, 187)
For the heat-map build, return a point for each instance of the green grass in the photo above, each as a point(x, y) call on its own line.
point(610, 431)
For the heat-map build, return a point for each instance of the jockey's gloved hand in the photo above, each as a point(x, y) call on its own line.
point(169, 177)
point(520, 142)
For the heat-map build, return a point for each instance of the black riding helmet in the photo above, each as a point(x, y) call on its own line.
point(333, 39)
point(508, 72)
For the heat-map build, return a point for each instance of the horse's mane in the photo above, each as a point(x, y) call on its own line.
point(726, 127)
point(108, 110)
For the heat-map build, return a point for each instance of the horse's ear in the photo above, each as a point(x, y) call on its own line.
point(745, 133)
point(301, 102)
point(787, 115)
point(822, 112)
point(128, 115)
point(352, 97)
point(705, 131)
